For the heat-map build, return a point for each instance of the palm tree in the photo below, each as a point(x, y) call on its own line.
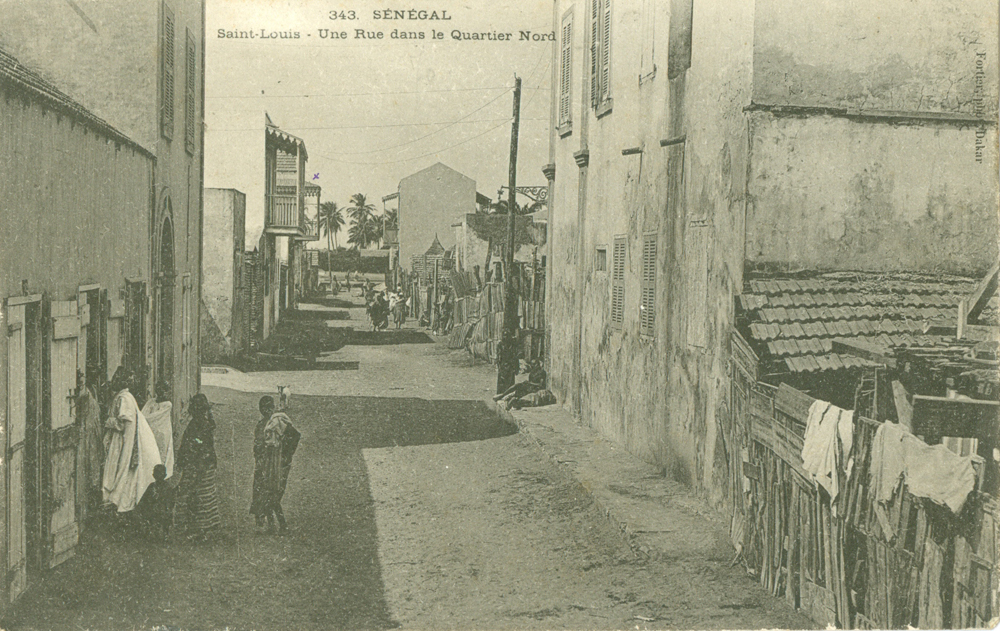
point(331, 220)
point(391, 218)
point(365, 230)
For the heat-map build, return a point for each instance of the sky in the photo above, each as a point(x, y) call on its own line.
point(372, 111)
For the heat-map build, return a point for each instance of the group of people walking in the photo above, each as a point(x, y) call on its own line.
point(142, 480)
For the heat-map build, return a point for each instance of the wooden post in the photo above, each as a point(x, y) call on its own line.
point(434, 295)
point(507, 363)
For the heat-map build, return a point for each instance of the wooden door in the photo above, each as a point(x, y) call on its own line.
point(82, 357)
point(115, 335)
point(17, 415)
point(64, 431)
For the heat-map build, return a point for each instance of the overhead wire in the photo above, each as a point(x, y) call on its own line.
point(409, 142)
point(346, 94)
point(430, 153)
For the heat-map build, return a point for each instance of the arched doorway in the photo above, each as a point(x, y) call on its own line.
point(165, 274)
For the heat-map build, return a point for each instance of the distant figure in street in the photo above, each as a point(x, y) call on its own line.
point(197, 461)
point(130, 447)
point(274, 444)
point(398, 308)
point(155, 506)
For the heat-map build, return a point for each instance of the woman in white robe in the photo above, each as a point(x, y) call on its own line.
point(158, 413)
point(131, 449)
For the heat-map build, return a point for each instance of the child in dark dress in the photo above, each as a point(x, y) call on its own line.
point(154, 507)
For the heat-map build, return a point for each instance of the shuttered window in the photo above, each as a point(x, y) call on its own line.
point(679, 42)
point(647, 304)
point(565, 69)
point(600, 52)
point(167, 73)
point(618, 282)
point(697, 244)
point(647, 66)
point(190, 109)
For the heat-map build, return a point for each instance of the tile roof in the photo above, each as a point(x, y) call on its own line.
point(793, 323)
point(16, 75)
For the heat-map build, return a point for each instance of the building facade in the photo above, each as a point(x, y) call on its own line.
point(140, 66)
point(74, 309)
point(108, 101)
point(222, 303)
point(694, 143)
point(430, 201)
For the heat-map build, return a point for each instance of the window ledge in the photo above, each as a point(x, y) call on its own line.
point(604, 108)
point(565, 129)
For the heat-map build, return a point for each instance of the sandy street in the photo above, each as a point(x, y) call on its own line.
point(410, 504)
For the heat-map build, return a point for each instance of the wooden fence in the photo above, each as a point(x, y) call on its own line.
point(479, 317)
point(853, 562)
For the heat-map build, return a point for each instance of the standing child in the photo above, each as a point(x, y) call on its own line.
point(274, 444)
point(154, 507)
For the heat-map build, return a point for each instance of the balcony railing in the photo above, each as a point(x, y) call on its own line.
point(310, 230)
point(283, 215)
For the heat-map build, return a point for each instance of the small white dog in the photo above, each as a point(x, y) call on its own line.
point(284, 397)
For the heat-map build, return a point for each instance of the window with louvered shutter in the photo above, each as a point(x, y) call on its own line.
point(600, 53)
point(696, 245)
point(647, 304)
point(618, 282)
point(566, 69)
point(595, 50)
point(679, 42)
point(647, 65)
point(606, 52)
point(190, 107)
point(167, 73)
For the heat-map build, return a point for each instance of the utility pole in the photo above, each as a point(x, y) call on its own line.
point(507, 363)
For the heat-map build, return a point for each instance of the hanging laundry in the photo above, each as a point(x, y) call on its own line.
point(931, 471)
point(828, 441)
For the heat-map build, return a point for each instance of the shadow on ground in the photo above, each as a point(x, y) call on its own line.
point(388, 337)
point(333, 303)
point(325, 574)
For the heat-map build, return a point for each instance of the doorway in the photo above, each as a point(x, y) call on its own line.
point(31, 458)
point(96, 364)
point(165, 303)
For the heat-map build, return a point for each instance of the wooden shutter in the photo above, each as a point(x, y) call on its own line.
point(187, 324)
point(595, 51)
point(605, 93)
point(63, 352)
point(17, 417)
point(136, 304)
point(647, 304)
point(679, 41)
point(190, 109)
point(83, 309)
point(167, 73)
point(566, 68)
point(115, 335)
point(647, 65)
point(697, 244)
point(618, 282)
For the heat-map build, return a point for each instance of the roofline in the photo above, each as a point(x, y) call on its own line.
point(50, 96)
point(287, 139)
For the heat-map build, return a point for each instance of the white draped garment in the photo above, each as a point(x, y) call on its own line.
point(127, 429)
point(158, 415)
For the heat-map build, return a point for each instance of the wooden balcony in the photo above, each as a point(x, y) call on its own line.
point(310, 231)
point(284, 216)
